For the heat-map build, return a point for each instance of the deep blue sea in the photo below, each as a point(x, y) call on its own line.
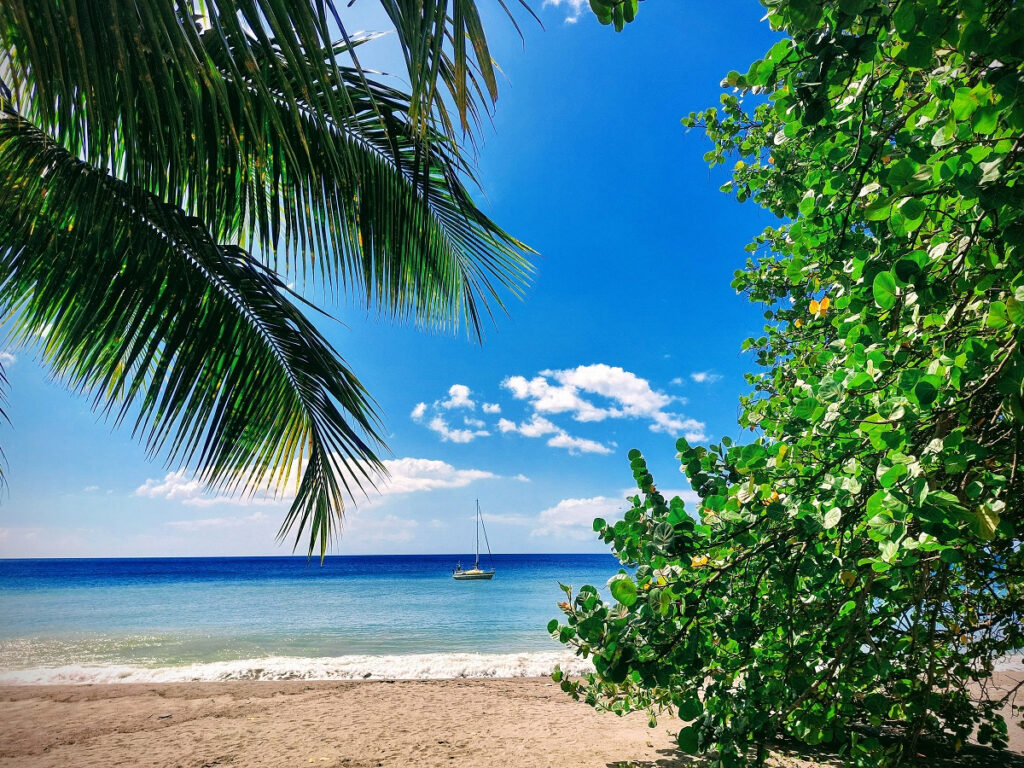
point(282, 617)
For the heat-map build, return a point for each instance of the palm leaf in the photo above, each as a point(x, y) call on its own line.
point(260, 131)
point(196, 343)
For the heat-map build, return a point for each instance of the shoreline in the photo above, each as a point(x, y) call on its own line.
point(409, 666)
point(346, 724)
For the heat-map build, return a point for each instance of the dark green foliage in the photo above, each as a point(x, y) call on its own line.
point(160, 164)
point(858, 566)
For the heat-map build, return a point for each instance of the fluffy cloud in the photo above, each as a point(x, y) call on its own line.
point(538, 426)
point(577, 445)
point(411, 475)
point(574, 518)
point(705, 377)
point(491, 408)
point(458, 397)
point(625, 394)
point(177, 486)
point(439, 425)
point(6, 358)
point(573, 8)
point(406, 475)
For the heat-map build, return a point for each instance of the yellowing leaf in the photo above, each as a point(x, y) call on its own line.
point(988, 521)
point(814, 306)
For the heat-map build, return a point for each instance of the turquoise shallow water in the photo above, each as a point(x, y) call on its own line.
point(210, 618)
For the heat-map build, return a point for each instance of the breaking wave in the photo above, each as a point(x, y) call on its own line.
point(421, 666)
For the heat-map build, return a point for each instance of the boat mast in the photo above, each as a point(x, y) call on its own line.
point(476, 563)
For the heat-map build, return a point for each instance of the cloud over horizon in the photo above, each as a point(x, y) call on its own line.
point(625, 395)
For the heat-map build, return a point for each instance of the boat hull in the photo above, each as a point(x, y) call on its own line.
point(472, 575)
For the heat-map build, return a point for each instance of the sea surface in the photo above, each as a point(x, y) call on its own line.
point(170, 619)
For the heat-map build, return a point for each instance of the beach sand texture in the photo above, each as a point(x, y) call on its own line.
point(480, 723)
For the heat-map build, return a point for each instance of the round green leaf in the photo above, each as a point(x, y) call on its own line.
point(623, 589)
point(688, 740)
point(925, 392)
point(884, 290)
point(690, 709)
point(832, 518)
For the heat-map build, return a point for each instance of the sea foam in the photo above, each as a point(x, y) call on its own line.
point(419, 666)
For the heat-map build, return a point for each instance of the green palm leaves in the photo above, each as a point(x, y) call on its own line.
point(144, 146)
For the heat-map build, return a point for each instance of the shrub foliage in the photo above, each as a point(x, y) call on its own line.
point(855, 570)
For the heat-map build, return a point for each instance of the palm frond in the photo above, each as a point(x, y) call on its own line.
point(261, 132)
point(197, 343)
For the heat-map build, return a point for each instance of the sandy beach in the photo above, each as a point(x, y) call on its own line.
point(507, 723)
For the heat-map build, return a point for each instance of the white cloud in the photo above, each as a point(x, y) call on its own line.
point(691, 429)
point(439, 425)
point(576, 445)
point(678, 381)
point(90, 489)
point(405, 475)
point(705, 377)
point(538, 426)
point(6, 358)
point(573, 8)
point(458, 397)
point(433, 416)
point(410, 475)
point(491, 408)
point(626, 395)
point(177, 486)
point(574, 518)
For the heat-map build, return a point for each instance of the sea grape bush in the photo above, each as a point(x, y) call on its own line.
point(854, 572)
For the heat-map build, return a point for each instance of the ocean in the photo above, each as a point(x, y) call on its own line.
point(193, 619)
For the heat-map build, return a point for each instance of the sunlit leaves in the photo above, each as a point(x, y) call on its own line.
point(859, 561)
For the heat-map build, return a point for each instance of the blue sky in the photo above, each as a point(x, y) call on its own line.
point(629, 337)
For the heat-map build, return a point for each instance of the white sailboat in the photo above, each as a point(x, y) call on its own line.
point(475, 572)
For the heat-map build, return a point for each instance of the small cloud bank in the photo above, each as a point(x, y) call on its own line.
point(538, 426)
point(574, 518)
point(705, 377)
point(573, 8)
point(177, 486)
point(459, 398)
point(586, 394)
point(6, 358)
point(622, 395)
point(405, 475)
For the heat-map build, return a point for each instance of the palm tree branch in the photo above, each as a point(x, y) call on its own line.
point(144, 310)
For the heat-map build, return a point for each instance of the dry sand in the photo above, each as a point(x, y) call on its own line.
point(480, 723)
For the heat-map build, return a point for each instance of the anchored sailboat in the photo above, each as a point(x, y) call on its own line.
point(475, 572)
